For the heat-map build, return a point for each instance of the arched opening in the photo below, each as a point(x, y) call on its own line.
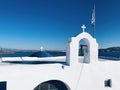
point(52, 85)
point(82, 46)
point(84, 50)
point(91, 51)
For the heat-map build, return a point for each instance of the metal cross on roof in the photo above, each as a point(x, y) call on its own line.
point(83, 27)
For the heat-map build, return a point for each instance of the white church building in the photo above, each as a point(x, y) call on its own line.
point(78, 73)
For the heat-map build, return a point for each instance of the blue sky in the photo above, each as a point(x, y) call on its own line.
point(30, 24)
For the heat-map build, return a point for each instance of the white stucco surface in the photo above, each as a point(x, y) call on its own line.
point(82, 76)
point(59, 58)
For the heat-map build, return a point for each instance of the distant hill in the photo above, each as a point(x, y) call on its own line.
point(1, 52)
point(110, 49)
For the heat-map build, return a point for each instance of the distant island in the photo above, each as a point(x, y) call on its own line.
point(6, 52)
point(12, 51)
point(110, 49)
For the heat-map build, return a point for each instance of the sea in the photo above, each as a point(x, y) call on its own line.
point(110, 55)
point(103, 55)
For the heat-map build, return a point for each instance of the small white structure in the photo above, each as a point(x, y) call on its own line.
point(73, 48)
point(79, 73)
point(41, 48)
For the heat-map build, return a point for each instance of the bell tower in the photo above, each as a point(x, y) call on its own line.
point(90, 56)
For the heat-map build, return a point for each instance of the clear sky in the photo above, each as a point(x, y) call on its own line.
point(30, 24)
